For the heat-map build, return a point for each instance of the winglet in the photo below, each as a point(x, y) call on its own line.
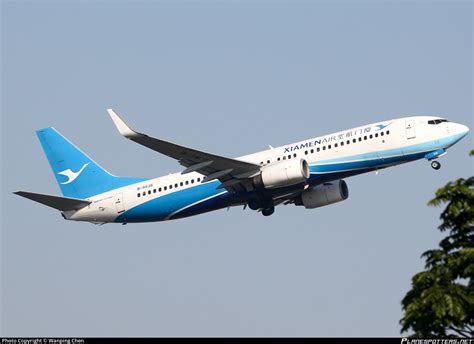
point(122, 127)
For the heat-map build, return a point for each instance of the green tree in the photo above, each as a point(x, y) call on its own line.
point(441, 300)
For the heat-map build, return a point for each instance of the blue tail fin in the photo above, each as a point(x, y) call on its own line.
point(78, 175)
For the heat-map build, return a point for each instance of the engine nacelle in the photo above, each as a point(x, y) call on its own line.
point(321, 195)
point(283, 173)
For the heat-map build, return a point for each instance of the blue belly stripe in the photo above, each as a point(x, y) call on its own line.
point(160, 208)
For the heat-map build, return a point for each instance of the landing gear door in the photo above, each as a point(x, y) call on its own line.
point(119, 203)
point(410, 129)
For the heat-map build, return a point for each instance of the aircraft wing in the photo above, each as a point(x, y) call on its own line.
point(232, 173)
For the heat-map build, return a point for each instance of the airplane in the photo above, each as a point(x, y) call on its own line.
point(308, 173)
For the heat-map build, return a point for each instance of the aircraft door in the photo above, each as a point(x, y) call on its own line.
point(119, 203)
point(410, 129)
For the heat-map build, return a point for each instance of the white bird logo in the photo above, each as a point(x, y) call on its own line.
point(72, 175)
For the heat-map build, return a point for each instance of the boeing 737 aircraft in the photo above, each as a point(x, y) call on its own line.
point(308, 173)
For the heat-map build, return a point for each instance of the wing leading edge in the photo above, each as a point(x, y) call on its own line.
point(234, 174)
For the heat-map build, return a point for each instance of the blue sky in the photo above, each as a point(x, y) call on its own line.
point(229, 78)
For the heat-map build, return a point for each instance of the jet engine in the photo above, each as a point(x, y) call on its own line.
point(281, 174)
point(325, 194)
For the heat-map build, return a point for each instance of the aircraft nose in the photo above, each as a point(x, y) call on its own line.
point(456, 132)
point(462, 129)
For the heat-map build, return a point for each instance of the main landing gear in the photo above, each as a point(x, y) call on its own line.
point(435, 164)
point(267, 208)
point(268, 211)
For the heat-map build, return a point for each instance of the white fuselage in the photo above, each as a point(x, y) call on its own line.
point(330, 157)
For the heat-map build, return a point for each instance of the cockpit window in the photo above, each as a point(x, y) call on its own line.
point(437, 121)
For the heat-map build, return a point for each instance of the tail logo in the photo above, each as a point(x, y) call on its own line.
point(72, 175)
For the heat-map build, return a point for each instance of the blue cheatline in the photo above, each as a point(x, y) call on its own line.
point(165, 207)
point(77, 174)
point(206, 197)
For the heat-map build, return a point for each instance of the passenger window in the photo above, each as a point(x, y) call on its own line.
point(181, 184)
point(165, 188)
point(159, 190)
point(360, 139)
point(284, 157)
point(199, 179)
point(305, 152)
point(376, 135)
point(329, 147)
point(317, 149)
point(176, 185)
point(289, 156)
point(149, 192)
point(278, 158)
point(371, 136)
point(342, 143)
point(268, 161)
point(324, 147)
point(144, 193)
point(138, 194)
point(186, 182)
point(312, 151)
point(381, 134)
point(335, 145)
point(192, 181)
point(365, 137)
point(354, 141)
point(154, 190)
point(388, 132)
point(348, 142)
point(294, 155)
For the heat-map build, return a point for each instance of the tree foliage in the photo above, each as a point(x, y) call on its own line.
point(441, 301)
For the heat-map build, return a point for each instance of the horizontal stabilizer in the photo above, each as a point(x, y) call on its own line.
point(60, 203)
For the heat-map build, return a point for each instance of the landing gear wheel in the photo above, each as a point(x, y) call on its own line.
point(254, 205)
point(268, 211)
point(436, 164)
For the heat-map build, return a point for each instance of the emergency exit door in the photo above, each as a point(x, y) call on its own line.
point(119, 203)
point(410, 129)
